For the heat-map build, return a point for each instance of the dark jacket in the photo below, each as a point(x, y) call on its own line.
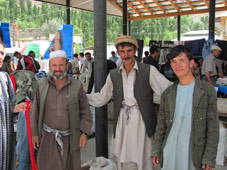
point(150, 60)
point(142, 92)
point(205, 125)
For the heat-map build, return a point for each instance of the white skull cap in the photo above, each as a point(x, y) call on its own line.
point(59, 53)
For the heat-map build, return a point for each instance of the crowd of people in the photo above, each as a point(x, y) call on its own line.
point(184, 135)
point(208, 70)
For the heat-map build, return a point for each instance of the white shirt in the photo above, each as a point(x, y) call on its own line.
point(119, 62)
point(209, 65)
point(131, 135)
point(75, 64)
point(87, 66)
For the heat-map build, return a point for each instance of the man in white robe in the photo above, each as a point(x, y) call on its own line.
point(131, 86)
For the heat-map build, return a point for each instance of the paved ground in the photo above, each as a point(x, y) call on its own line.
point(89, 152)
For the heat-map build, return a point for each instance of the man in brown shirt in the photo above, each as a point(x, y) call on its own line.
point(60, 119)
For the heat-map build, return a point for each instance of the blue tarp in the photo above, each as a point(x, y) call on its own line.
point(6, 35)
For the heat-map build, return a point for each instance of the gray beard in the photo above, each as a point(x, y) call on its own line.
point(58, 77)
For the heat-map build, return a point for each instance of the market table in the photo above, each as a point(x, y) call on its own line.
point(222, 89)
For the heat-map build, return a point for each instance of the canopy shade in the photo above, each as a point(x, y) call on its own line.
point(147, 9)
point(87, 5)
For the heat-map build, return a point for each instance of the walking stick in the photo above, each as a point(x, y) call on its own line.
point(32, 155)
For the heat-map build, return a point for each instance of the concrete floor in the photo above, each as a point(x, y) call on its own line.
point(89, 152)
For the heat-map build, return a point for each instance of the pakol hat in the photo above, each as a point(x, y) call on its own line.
point(126, 39)
point(215, 47)
point(59, 53)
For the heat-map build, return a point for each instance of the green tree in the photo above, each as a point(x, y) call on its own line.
point(11, 8)
point(22, 9)
point(3, 5)
point(186, 23)
point(35, 11)
point(205, 21)
point(168, 35)
point(29, 10)
point(51, 27)
point(198, 26)
point(146, 41)
point(44, 11)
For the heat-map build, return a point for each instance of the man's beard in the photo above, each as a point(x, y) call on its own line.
point(57, 77)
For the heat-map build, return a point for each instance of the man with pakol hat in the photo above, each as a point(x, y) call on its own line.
point(131, 86)
point(209, 71)
point(60, 119)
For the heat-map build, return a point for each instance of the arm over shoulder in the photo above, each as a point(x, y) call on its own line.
point(157, 81)
point(101, 98)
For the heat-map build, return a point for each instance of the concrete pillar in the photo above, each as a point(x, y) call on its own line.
point(129, 27)
point(212, 19)
point(178, 27)
point(68, 11)
point(100, 75)
point(124, 17)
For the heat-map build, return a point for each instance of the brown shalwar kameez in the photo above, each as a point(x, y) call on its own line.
point(56, 116)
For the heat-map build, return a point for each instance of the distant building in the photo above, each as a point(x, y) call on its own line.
point(221, 23)
point(195, 35)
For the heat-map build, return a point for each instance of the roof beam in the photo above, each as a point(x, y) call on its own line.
point(190, 5)
point(177, 13)
point(173, 4)
point(158, 4)
point(224, 1)
point(115, 5)
point(149, 10)
point(131, 6)
point(207, 4)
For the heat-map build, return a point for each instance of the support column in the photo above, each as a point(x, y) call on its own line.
point(212, 19)
point(100, 75)
point(178, 27)
point(129, 27)
point(124, 17)
point(68, 11)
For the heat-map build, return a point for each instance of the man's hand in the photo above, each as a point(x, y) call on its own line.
point(156, 160)
point(20, 107)
point(208, 77)
point(206, 167)
point(35, 142)
point(83, 141)
point(221, 75)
